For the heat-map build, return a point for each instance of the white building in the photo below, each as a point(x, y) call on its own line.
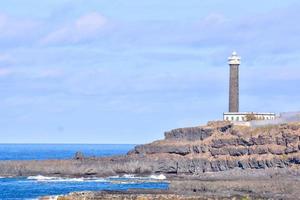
point(244, 116)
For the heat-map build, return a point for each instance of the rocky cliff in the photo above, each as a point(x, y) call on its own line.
point(218, 146)
point(221, 146)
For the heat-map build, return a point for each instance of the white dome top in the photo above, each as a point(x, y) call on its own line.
point(234, 59)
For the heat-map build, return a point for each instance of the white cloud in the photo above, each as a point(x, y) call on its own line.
point(11, 27)
point(213, 19)
point(90, 23)
point(48, 73)
point(3, 19)
point(85, 27)
point(5, 58)
point(5, 72)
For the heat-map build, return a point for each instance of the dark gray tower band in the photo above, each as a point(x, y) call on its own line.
point(234, 63)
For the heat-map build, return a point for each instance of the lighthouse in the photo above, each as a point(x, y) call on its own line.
point(234, 62)
point(234, 115)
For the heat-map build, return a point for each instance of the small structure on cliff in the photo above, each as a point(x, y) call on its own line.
point(234, 115)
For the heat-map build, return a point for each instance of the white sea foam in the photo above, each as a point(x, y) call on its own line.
point(41, 178)
point(60, 179)
point(129, 176)
point(48, 198)
point(158, 177)
point(112, 177)
point(132, 176)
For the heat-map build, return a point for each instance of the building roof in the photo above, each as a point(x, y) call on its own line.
point(249, 113)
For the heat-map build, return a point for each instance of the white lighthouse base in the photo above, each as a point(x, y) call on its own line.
point(247, 116)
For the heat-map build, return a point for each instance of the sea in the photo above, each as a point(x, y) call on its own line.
point(33, 187)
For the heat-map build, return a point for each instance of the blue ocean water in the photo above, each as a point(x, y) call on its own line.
point(59, 151)
point(34, 187)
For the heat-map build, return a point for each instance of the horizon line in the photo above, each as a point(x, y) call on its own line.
point(34, 143)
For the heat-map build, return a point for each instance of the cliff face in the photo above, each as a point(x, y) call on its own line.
point(219, 146)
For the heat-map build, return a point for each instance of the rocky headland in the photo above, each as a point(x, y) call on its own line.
point(218, 158)
point(219, 146)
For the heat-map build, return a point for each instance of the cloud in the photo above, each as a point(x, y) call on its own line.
point(36, 74)
point(5, 60)
point(84, 28)
point(50, 73)
point(5, 72)
point(212, 19)
point(17, 31)
point(273, 34)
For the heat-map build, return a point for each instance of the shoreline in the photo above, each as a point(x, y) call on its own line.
point(218, 159)
point(235, 184)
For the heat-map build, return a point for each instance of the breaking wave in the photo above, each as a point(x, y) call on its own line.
point(132, 176)
point(112, 178)
point(60, 179)
point(129, 176)
point(158, 177)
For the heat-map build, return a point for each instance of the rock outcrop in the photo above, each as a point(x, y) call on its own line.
point(219, 146)
point(234, 184)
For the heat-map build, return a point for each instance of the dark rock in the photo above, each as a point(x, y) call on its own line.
point(166, 166)
point(280, 141)
point(224, 128)
point(218, 165)
point(244, 142)
point(295, 160)
point(276, 151)
point(232, 164)
point(291, 149)
point(261, 164)
point(181, 150)
point(78, 156)
point(294, 127)
point(269, 163)
point(235, 132)
point(153, 149)
point(243, 164)
point(221, 126)
point(238, 151)
point(131, 152)
point(289, 138)
point(185, 167)
point(201, 165)
point(253, 164)
point(261, 140)
point(191, 134)
point(258, 150)
point(193, 166)
point(200, 149)
point(257, 164)
point(216, 152)
point(223, 142)
point(280, 163)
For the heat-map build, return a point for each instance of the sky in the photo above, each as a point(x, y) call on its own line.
point(126, 71)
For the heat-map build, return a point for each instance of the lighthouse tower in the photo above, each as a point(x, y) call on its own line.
point(234, 62)
point(234, 115)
